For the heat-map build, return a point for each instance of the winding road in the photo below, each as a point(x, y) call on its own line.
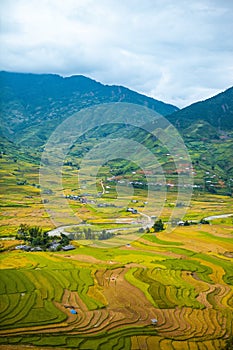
point(62, 229)
point(222, 216)
point(150, 222)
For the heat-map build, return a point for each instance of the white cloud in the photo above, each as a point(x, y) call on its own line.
point(177, 52)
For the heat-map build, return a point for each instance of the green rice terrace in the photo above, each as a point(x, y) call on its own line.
point(163, 290)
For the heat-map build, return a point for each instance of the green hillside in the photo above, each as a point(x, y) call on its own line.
point(216, 111)
point(207, 128)
point(32, 106)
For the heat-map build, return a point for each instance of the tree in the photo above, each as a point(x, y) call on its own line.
point(186, 223)
point(64, 240)
point(158, 226)
point(23, 232)
point(205, 222)
point(38, 238)
point(105, 235)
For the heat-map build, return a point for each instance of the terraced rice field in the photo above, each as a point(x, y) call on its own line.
point(116, 292)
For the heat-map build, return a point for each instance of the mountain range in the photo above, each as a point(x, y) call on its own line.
point(32, 106)
point(29, 100)
point(216, 113)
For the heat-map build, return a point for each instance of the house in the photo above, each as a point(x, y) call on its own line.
point(68, 247)
point(24, 247)
point(132, 210)
point(54, 246)
point(154, 321)
point(180, 223)
point(36, 249)
point(21, 246)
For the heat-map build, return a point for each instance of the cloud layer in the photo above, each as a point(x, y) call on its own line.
point(175, 51)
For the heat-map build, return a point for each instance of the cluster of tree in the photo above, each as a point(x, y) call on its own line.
point(33, 235)
point(175, 222)
point(36, 237)
point(205, 222)
point(187, 223)
point(89, 234)
point(158, 226)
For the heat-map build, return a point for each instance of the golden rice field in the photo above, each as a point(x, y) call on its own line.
point(182, 278)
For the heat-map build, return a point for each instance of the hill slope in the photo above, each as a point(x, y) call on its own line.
point(217, 111)
point(33, 105)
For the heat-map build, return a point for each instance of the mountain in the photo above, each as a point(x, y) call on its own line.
point(32, 105)
point(207, 129)
point(215, 113)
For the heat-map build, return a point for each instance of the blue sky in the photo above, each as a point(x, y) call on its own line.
point(175, 51)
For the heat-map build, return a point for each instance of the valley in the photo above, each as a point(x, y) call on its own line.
point(145, 201)
point(182, 278)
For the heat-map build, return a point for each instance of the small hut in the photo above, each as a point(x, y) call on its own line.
point(73, 311)
point(154, 321)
